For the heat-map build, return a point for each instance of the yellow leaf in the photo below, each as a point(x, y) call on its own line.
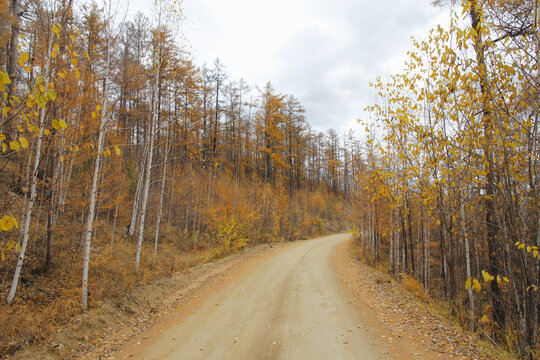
point(117, 150)
point(14, 145)
point(72, 37)
point(14, 221)
point(35, 129)
point(529, 249)
point(55, 124)
point(94, 115)
point(108, 152)
point(24, 142)
point(521, 246)
point(98, 107)
point(4, 224)
point(4, 147)
point(468, 283)
point(23, 58)
point(54, 51)
point(506, 279)
point(535, 253)
point(51, 94)
point(486, 276)
point(74, 62)
point(62, 123)
point(476, 285)
point(517, 243)
point(7, 223)
point(47, 132)
point(77, 74)
point(2, 137)
point(484, 319)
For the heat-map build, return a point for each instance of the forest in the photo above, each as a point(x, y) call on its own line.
point(452, 194)
point(123, 161)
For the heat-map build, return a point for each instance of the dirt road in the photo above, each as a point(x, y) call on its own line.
point(290, 307)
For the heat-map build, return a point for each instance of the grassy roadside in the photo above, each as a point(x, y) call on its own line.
point(46, 314)
point(113, 320)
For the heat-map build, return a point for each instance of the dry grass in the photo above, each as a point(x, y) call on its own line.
point(415, 287)
point(46, 301)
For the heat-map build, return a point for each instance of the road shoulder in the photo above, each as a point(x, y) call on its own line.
point(121, 328)
point(409, 327)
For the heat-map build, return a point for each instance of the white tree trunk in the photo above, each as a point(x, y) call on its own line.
point(467, 261)
point(136, 203)
point(148, 167)
point(90, 216)
point(391, 255)
point(144, 200)
point(426, 237)
point(33, 186)
point(161, 195)
point(87, 235)
point(116, 212)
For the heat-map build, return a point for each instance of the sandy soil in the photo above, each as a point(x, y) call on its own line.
point(289, 307)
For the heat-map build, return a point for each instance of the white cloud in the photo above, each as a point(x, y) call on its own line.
point(323, 52)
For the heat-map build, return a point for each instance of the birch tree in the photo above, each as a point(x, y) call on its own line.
point(102, 111)
point(44, 88)
point(158, 61)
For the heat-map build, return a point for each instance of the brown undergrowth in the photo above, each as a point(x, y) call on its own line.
point(49, 300)
point(403, 305)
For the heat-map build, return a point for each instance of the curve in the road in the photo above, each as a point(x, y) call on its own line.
point(290, 307)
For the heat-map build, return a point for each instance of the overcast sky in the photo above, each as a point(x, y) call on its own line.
point(325, 53)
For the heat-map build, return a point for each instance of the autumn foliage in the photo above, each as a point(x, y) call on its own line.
point(451, 198)
point(122, 162)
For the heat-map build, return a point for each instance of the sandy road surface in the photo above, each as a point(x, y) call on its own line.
point(290, 307)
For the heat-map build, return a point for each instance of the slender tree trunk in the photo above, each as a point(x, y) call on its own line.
point(91, 213)
point(411, 243)
point(494, 249)
point(13, 55)
point(136, 203)
point(26, 198)
point(161, 195)
point(145, 190)
point(465, 237)
point(33, 186)
point(149, 157)
point(116, 212)
point(391, 248)
point(427, 240)
point(87, 235)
